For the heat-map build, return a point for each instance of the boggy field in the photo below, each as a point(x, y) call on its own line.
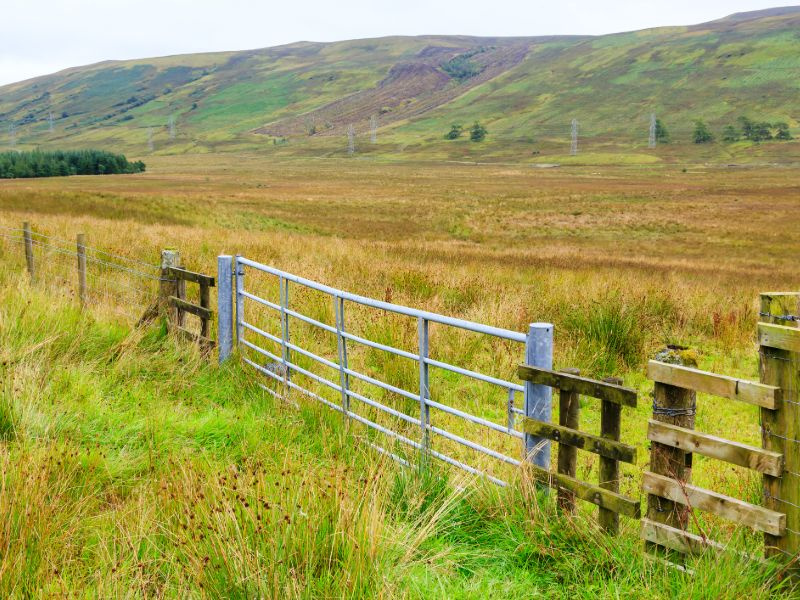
point(621, 260)
point(687, 251)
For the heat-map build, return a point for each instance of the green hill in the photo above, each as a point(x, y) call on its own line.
point(302, 98)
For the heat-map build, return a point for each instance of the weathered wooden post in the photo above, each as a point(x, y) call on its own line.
point(169, 285)
point(779, 362)
point(675, 406)
point(539, 398)
point(205, 302)
point(224, 306)
point(610, 423)
point(568, 416)
point(180, 294)
point(28, 238)
point(82, 269)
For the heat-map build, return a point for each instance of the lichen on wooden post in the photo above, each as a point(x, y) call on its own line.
point(169, 286)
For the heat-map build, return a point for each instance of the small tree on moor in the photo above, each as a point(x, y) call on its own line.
point(454, 133)
point(478, 132)
point(662, 135)
point(702, 134)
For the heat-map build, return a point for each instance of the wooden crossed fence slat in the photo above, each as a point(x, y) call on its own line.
point(181, 306)
point(613, 396)
point(671, 494)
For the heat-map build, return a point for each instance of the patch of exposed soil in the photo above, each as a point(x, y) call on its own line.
point(411, 88)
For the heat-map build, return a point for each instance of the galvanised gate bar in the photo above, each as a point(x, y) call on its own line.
point(535, 348)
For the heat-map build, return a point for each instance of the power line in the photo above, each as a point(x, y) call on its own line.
point(573, 149)
point(351, 139)
point(373, 129)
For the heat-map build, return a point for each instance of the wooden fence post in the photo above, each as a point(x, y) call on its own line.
point(675, 406)
point(180, 294)
point(28, 238)
point(205, 302)
point(568, 416)
point(169, 285)
point(82, 269)
point(779, 364)
point(610, 424)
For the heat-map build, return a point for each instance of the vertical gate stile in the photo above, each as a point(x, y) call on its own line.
point(424, 392)
point(283, 291)
point(239, 270)
point(338, 309)
point(510, 416)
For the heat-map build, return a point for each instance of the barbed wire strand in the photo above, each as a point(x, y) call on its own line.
point(61, 250)
point(88, 248)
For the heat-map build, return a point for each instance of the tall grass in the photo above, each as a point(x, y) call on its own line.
point(131, 466)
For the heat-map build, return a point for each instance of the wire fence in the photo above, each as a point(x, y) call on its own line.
point(120, 286)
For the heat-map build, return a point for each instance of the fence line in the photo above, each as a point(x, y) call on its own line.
point(291, 361)
point(96, 277)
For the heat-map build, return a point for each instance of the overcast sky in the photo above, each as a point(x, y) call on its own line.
point(43, 36)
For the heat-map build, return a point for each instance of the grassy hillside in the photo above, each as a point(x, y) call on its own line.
point(301, 98)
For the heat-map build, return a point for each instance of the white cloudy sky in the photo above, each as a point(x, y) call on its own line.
point(42, 36)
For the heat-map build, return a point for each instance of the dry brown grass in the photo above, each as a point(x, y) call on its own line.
point(520, 244)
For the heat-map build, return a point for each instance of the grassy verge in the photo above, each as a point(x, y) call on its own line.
point(132, 466)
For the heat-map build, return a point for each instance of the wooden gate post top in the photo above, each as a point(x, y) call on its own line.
point(779, 365)
point(170, 258)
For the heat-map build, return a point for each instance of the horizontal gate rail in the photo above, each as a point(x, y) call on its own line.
point(387, 306)
point(282, 367)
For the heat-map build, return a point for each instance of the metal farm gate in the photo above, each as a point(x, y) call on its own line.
point(319, 363)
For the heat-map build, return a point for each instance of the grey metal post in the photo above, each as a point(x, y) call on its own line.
point(283, 286)
point(224, 306)
point(28, 238)
point(539, 398)
point(344, 379)
point(82, 269)
point(424, 390)
point(239, 299)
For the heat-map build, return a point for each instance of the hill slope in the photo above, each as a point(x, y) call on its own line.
point(526, 90)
